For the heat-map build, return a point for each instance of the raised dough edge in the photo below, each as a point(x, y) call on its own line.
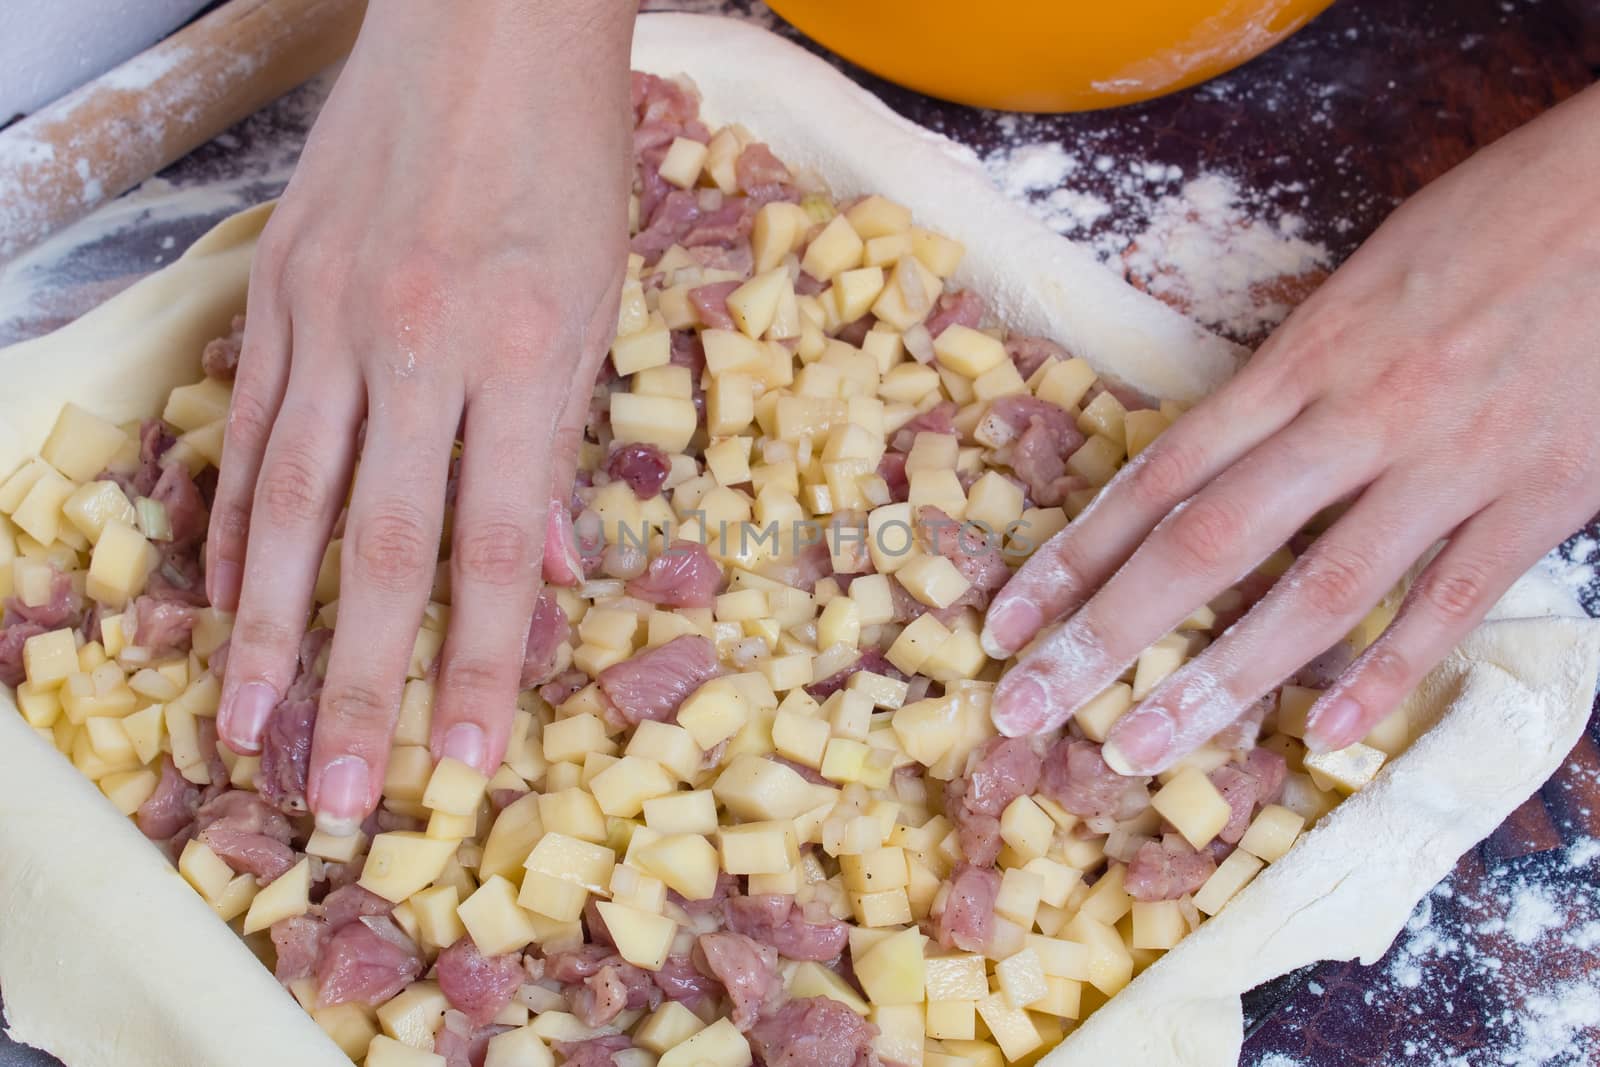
point(108, 958)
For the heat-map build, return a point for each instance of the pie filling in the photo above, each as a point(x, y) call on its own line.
point(753, 809)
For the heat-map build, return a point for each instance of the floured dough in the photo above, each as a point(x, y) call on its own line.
point(107, 957)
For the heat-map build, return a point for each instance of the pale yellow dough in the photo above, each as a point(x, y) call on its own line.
point(108, 958)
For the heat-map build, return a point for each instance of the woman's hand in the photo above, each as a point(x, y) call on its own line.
point(448, 255)
point(1445, 378)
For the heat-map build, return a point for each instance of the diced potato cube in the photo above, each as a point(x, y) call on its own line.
point(1231, 875)
point(694, 812)
point(1063, 998)
point(933, 580)
point(495, 919)
point(758, 848)
point(1157, 662)
point(128, 789)
point(644, 349)
point(1065, 383)
point(81, 444)
point(285, 896)
point(952, 1018)
point(1101, 713)
point(573, 860)
point(714, 712)
point(1107, 901)
point(521, 1047)
point(1021, 978)
point(1110, 966)
point(1061, 958)
point(91, 506)
point(48, 658)
point(669, 1025)
point(573, 738)
point(893, 971)
point(876, 216)
point(718, 1045)
point(1011, 1028)
point(642, 938)
point(39, 513)
point(1346, 770)
point(916, 644)
point(1026, 828)
point(909, 294)
point(939, 253)
point(753, 788)
point(455, 788)
point(890, 907)
point(387, 1052)
point(622, 788)
point(190, 407)
point(1018, 899)
point(661, 421)
point(686, 862)
point(1096, 460)
point(681, 165)
point(1158, 924)
point(401, 862)
point(837, 248)
point(204, 870)
point(1193, 806)
point(120, 564)
point(1273, 833)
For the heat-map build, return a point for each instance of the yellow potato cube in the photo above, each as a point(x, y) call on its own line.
point(622, 788)
point(1345, 770)
point(204, 870)
point(718, 1045)
point(952, 1018)
point(401, 862)
point(521, 1047)
point(661, 421)
point(916, 644)
point(1026, 828)
point(455, 788)
point(939, 253)
point(1063, 998)
point(552, 897)
point(933, 580)
point(91, 506)
point(1064, 383)
point(1011, 1028)
point(387, 1052)
point(1157, 662)
point(1018, 899)
point(686, 862)
point(120, 564)
point(572, 811)
point(875, 216)
point(128, 789)
point(754, 788)
point(1104, 416)
point(81, 444)
point(837, 248)
point(1096, 460)
point(758, 848)
point(573, 860)
point(413, 1015)
point(955, 978)
point(1021, 978)
point(1158, 924)
point(285, 896)
point(569, 740)
point(714, 712)
point(39, 513)
point(190, 407)
point(909, 294)
point(1140, 428)
point(669, 1025)
point(49, 658)
point(1061, 958)
point(893, 971)
point(235, 898)
point(643, 938)
point(890, 907)
point(647, 348)
point(42, 707)
point(682, 163)
point(495, 919)
point(1107, 901)
point(1232, 874)
point(1101, 713)
point(1273, 833)
point(1193, 806)
point(800, 737)
point(1110, 966)
point(694, 812)
point(1391, 735)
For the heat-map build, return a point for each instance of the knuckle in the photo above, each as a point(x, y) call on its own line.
point(354, 707)
point(1163, 475)
point(471, 679)
point(1387, 668)
point(1207, 533)
point(1457, 592)
point(249, 417)
point(262, 637)
point(230, 527)
point(1069, 577)
point(1335, 581)
point(494, 551)
point(392, 550)
point(293, 489)
point(566, 448)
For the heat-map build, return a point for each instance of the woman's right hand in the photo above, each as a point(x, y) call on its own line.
point(447, 259)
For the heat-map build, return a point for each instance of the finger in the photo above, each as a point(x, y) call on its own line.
point(1198, 551)
point(1061, 574)
point(258, 388)
point(1326, 593)
point(562, 564)
point(1451, 596)
point(298, 494)
point(498, 543)
point(391, 547)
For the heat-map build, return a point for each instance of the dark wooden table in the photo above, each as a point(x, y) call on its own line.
point(1337, 125)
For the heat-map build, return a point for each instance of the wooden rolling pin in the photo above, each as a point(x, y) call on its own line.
point(101, 140)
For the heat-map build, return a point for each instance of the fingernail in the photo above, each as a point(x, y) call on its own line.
point(1021, 707)
point(244, 716)
point(1009, 627)
point(342, 792)
point(1138, 742)
point(1336, 725)
point(225, 579)
point(465, 743)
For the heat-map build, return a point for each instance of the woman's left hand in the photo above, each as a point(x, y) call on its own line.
point(1445, 378)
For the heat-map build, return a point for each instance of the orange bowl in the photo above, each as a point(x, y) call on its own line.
point(1048, 55)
